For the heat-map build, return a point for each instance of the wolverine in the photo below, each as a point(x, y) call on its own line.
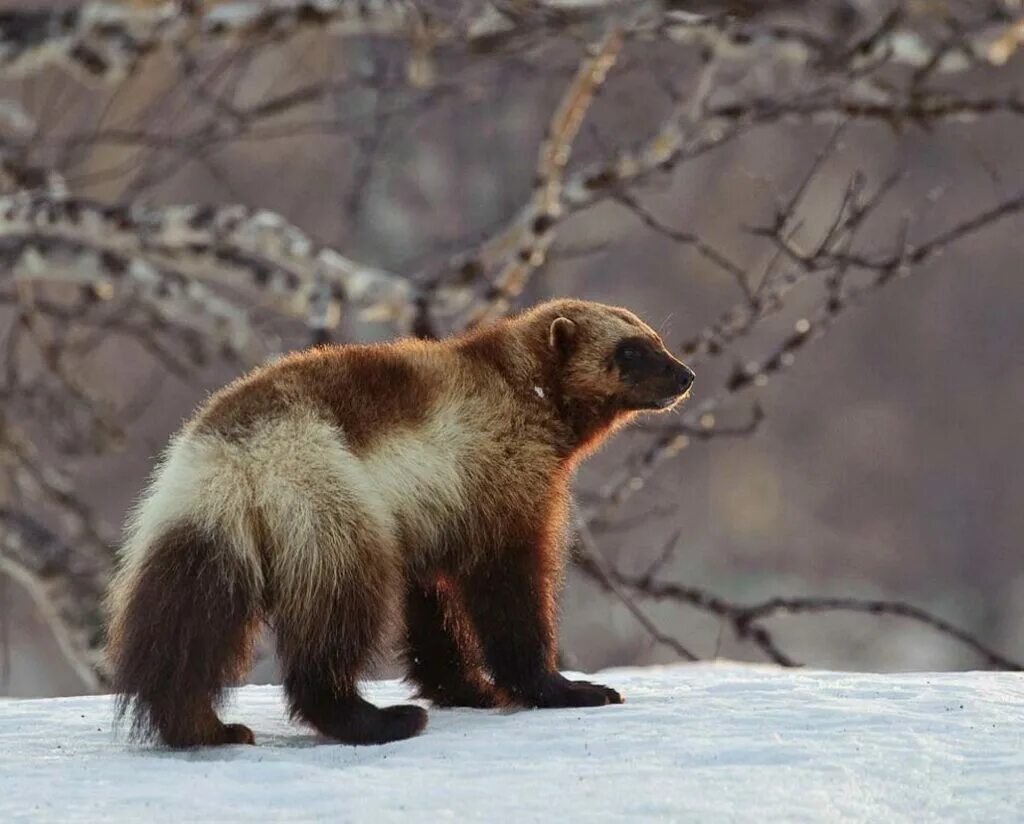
point(343, 491)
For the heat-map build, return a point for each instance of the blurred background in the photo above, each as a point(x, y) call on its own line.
point(818, 205)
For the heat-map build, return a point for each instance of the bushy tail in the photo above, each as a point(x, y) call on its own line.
point(183, 613)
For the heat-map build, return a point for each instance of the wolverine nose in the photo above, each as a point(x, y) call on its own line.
point(684, 376)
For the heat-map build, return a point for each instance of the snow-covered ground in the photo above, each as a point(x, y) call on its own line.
point(693, 743)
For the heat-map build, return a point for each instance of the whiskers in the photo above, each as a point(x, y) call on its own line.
point(677, 405)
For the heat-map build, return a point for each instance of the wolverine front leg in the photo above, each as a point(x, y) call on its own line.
point(511, 598)
point(442, 651)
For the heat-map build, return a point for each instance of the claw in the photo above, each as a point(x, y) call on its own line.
point(558, 691)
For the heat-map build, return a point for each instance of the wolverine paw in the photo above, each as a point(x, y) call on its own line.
point(611, 696)
point(238, 734)
point(478, 696)
point(558, 691)
point(401, 721)
point(357, 721)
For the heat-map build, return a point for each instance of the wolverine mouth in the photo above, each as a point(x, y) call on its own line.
point(671, 400)
point(664, 403)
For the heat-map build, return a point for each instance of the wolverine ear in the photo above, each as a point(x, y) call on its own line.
point(561, 335)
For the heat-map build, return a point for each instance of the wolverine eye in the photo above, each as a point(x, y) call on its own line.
point(632, 354)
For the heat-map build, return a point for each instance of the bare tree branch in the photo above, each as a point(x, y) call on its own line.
point(164, 252)
point(92, 258)
point(745, 619)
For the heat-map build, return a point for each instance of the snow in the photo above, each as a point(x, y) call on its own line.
point(708, 742)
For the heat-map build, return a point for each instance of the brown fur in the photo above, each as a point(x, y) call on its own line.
point(443, 652)
point(325, 491)
point(187, 590)
point(323, 379)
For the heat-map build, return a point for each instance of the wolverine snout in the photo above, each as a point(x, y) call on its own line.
point(678, 373)
point(668, 383)
point(684, 377)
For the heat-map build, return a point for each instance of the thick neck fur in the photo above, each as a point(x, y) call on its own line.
point(526, 361)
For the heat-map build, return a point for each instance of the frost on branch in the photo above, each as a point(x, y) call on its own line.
point(167, 255)
point(104, 40)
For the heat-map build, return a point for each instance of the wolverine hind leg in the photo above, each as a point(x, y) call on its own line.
point(330, 622)
point(182, 625)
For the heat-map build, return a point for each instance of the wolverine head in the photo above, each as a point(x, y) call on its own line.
point(612, 360)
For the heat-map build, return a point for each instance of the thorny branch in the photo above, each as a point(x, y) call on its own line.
point(90, 252)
